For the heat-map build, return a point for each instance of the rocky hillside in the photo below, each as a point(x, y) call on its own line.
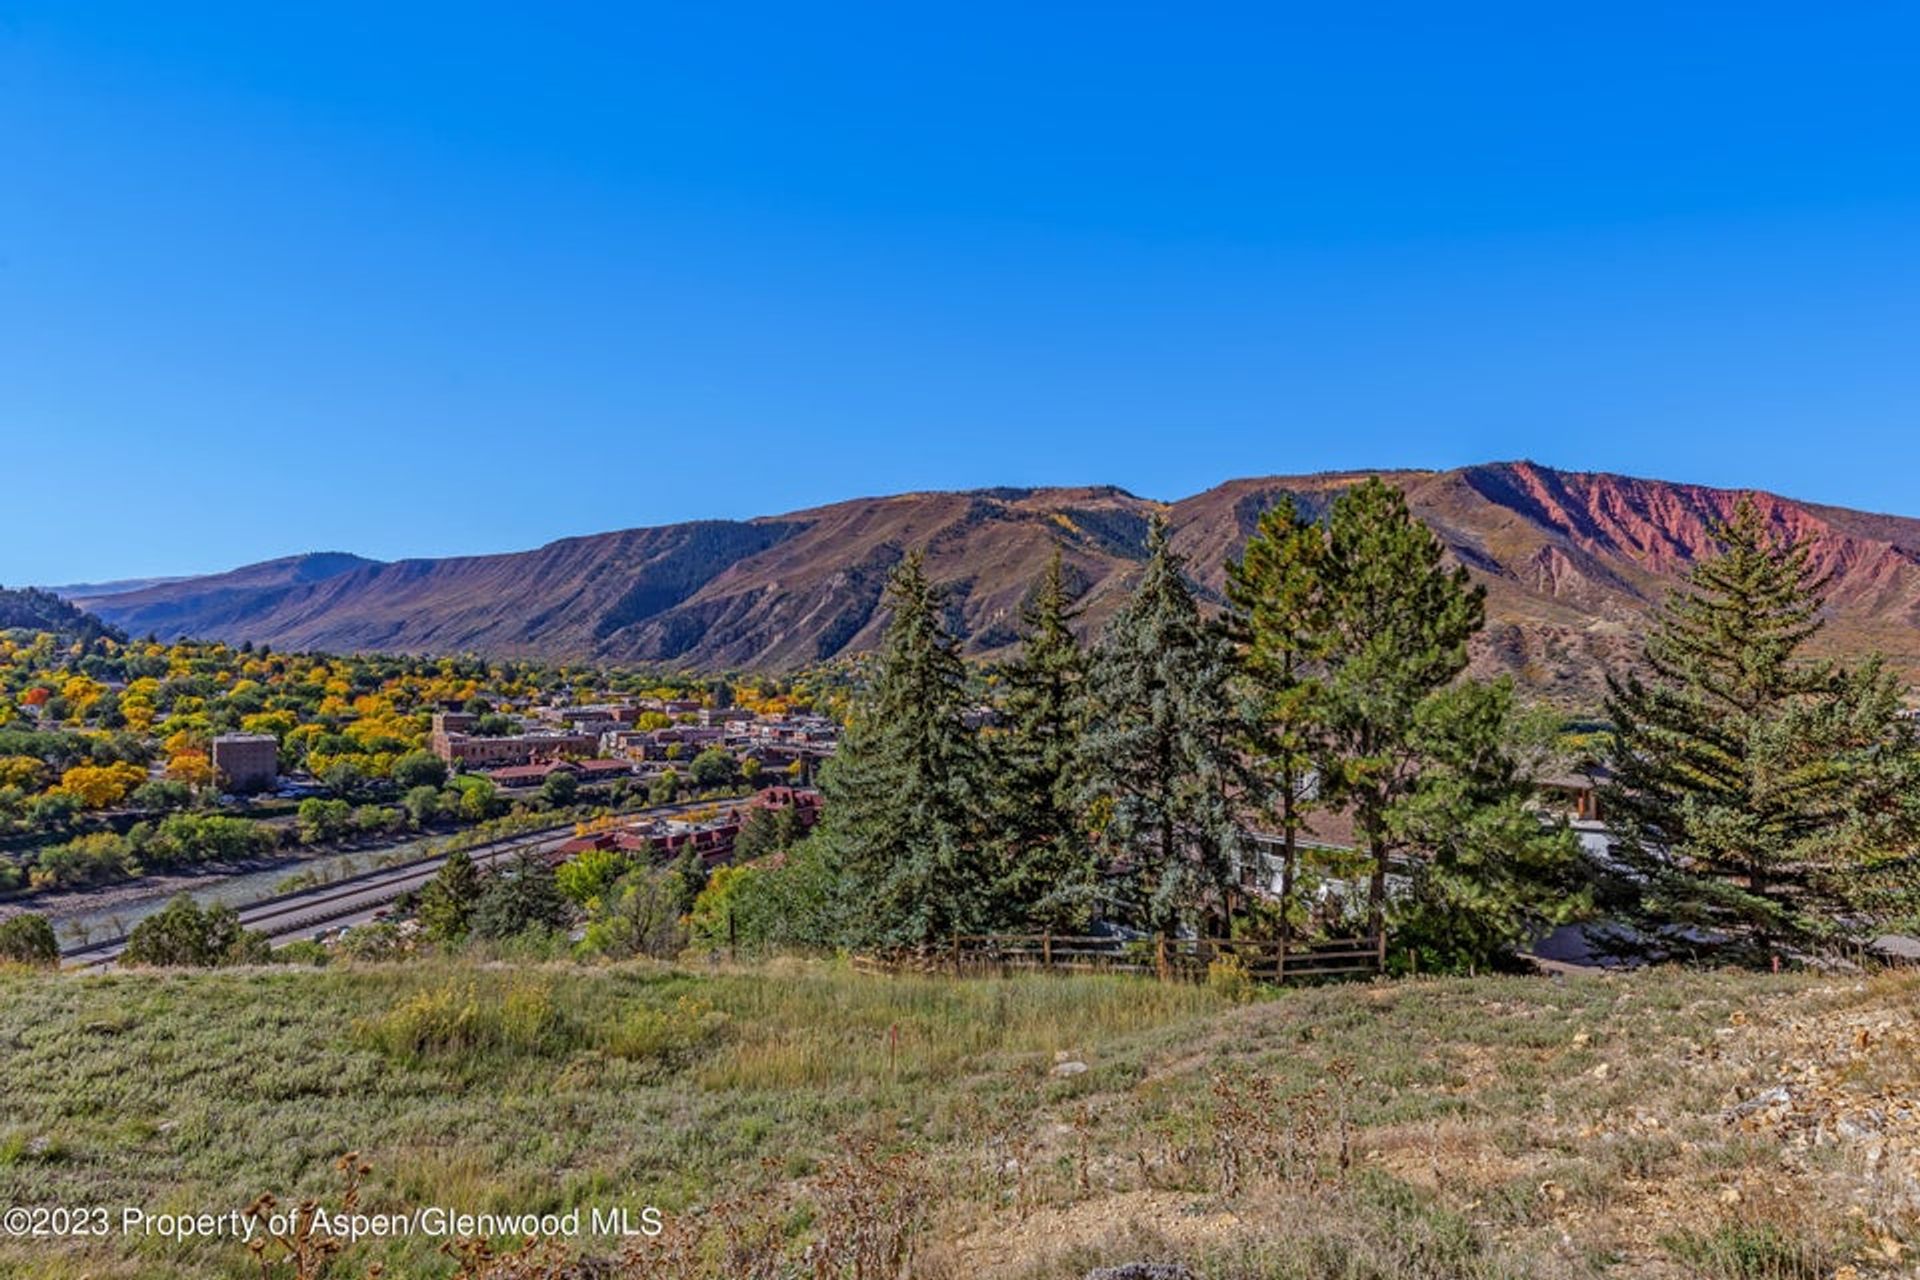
point(1572, 563)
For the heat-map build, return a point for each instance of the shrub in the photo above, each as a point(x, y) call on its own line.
point(714, 767)
point(371, 819)
point(424, 805)
point(191, 838)
point(100, 857)
point(666, 1035)
point(479, 799)
point(791, 905)
point(376, 940)
point(638, 916)
point(587, 877)
point(419, 769)
point(1227, 976)
point(320, 820)
point(1751, 1251)
point(183, 935)
point(460, 1020)
point(162, 794)
point(560, 789)
point(29, 940)
point(303, 951)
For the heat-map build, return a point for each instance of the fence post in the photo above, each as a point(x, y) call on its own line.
point(1380, 943)
point(956, 955)
point(1160, 956)
point(1046, 949)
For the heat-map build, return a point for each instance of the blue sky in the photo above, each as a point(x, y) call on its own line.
point(424, 279)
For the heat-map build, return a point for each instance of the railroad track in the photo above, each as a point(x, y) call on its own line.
point(357, 895)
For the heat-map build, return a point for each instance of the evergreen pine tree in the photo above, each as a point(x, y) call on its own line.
point(1491, 874)
point(1398, 625)
point(1749, 778)
point(1277, 619)
point(1046, 862)
point(1161, 744)
point(903, 805)
point(448, 900)
point(521, 898)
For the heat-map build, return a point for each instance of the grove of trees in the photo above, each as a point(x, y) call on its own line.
point(1762, 800)
point(1122, 779)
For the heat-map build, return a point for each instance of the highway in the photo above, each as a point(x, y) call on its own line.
point(308, 913)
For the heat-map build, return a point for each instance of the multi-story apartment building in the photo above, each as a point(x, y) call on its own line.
point(246, 761)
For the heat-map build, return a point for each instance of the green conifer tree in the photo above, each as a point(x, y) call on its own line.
point(1277, 619)
point(1398, 623)
point(1161, 745)
point(1490, 874)
point(1046, 860)
point(519, 899)
point(903, 815)
point(1752, 783)
point(448, 900)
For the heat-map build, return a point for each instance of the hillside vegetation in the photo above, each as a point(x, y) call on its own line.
point(34, 610)
point(1669, 1123)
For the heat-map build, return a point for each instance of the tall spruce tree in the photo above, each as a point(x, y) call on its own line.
point(903, 817)
point(1161, 746)
point(1753, 786)
point(1277, 618)
point(1398, 623)
point(1046, 863)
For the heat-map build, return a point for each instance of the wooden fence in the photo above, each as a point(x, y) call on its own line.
point(1167, 958)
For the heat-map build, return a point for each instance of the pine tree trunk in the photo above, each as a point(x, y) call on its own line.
point(1166, 859)
point(1377, 886)
point(1289, 858)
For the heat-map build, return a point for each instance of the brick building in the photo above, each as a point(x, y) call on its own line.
point(523, 748)
point(246, 761)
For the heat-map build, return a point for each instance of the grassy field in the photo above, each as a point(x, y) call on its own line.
point(1443, 1128)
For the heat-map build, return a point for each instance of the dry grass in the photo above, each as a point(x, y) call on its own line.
point(805, 1117)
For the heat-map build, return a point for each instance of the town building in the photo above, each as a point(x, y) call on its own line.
point(661, 841)
point(246, 761)
point(532, 775)
point(454, 722)
point(465, 750)
point(1575, 795)
point(804, 802)
point(711, 839)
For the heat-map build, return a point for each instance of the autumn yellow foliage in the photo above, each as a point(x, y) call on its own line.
point(101, 786)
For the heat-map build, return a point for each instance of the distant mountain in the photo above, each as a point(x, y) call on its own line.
point(1572, 562)
point(118, 587)
point(32, 609)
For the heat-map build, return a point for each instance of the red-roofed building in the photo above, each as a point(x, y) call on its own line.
point(805, 803)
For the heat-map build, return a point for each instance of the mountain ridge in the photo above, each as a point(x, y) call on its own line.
point(1573, 562)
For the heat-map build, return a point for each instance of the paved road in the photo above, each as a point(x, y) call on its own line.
point(356, 899)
